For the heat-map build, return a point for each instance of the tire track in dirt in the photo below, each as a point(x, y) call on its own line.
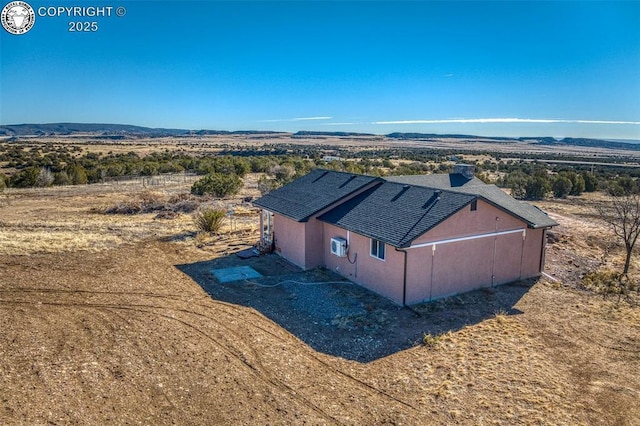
point(324, 363)
point(231, 313)
point(262, 375)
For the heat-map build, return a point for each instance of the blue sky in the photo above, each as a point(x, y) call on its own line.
point(487, 68)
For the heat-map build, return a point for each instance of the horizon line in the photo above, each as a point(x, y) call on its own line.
point(507, 121)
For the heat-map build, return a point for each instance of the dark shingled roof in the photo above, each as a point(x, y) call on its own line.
point(529, 213)
point(312, 193)
point(394, 213)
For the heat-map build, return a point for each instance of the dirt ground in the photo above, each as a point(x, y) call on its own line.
point(114, 319)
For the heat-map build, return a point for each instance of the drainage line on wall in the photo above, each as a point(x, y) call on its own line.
point(404, 278)
point(404, 285)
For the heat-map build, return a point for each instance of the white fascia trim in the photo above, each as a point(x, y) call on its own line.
point(471, 237)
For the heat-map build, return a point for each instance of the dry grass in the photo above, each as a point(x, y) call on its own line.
point(53, 220)
point(582, 243)
point(122, 336)
point(37, 222)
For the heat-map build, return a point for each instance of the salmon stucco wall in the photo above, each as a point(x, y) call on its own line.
point(461, 266)
point(533, 258)
point(289, 237)
point(486, 218)
point(314, 242)
point(299, 242)
point(384, 277)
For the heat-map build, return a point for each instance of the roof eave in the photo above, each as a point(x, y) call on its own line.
point(263, 207)
point(530, 224)
point(375, 180)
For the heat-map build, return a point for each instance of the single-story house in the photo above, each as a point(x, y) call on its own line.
point(409, 238)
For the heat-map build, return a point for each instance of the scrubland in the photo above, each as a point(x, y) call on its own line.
point(100, 326)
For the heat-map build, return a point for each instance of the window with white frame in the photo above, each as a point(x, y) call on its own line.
point(377, 249)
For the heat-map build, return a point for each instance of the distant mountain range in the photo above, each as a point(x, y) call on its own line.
point(122, 131)
point(53, 129)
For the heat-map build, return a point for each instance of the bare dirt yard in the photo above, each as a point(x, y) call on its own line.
point(117, 319)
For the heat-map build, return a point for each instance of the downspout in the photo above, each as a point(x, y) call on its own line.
point(404, 278)
point(543, 249)
point(524, 237)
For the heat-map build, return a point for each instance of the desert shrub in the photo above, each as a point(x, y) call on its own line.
point(166, 214)
point(185, 206)
point(45, 177)
point(561, 187)
point(26, 178)
point(516, 181)
point(266, 185)
point(623, 185)
point(578, 184)
point(241, 166)
point(131, 207)
point(61, 178)
point(608, 282)
point(536, 188)
point(151, 199)
point(284, 173)
point(3, 182)
point(77, 174)
point(590, 182)
point(183, 203)
point(144, 202)
point(181, 196)
point(210, 220)
point(150, 202)
point(431, 340)
point(388, 164)
point(217, 184)
point(501, 316)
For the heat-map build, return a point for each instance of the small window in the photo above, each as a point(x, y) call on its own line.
point(474, 205)
point(377, 249)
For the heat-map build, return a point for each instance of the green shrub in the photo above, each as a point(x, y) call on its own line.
point(578, 184)
point(26, 178)
point(590, 182)
point(217, 184)
point(210, 220)
point(562, 187)
point(61, 178)
point(77, 174)
point(536, 188)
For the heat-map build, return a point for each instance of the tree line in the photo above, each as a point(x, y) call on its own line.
point(41, 165)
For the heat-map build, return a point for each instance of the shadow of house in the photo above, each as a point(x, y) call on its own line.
point(340, 318)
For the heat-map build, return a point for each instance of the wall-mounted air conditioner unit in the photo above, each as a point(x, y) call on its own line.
point(339, 247)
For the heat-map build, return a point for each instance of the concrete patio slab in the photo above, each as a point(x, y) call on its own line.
point(238, 273)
